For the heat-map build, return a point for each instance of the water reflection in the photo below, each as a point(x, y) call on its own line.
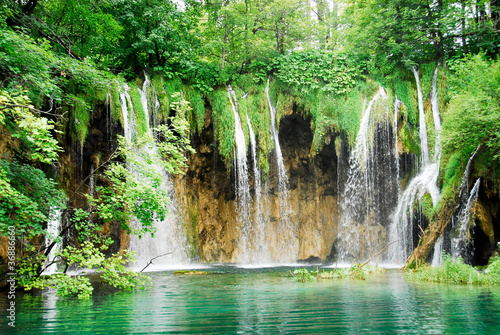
point(266, 301)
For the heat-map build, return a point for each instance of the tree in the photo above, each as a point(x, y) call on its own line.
point(133, 189)
point(404, 33)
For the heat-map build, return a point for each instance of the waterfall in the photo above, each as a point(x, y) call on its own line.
point(425, 182)
point(435, 114)
point(261, 249)
point(109, 122)
point(461, 226)
point(126, 102)
point(424, 145)
point(169, 242)
point(54, 226)
point(402, 229)
point(438, 253)
point(397, 109)
point(287, 232)
point(91, 180)
point(144, 99)
point(370, 192)
point(282, 176)
point(256, 170)
point(242, 182)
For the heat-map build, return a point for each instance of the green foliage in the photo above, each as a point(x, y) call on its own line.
point(471, 118)
point(81, 117)
point(88, 255)
point(165, 89)
point(175, 137)
point(64, 284)
point(111, 270)
point(27, 196)
point(196, 117)
point(136, 186)
point(113, 99)
point(493, 267)
point(29, 64)
point(255, 105)
point(303, 275)
point(317, 70)
point(138, 110)
point(26, 124)
point(154, 34)
point(356, 271)
point(223, 118)
point(455, 271)
point(473, 113)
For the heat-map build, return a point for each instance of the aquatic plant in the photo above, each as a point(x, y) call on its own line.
point(455, 271)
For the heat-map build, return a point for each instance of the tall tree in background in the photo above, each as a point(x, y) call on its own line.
point(402, 33)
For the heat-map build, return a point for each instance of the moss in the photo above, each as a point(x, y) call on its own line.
point(165, 89)
point(427, 206)
point(196, 117)
point(257, 109)
point(80, 117)
point(350, 111)
point(139, 115)
point(190, 272)
point(223, 119)
point(114, 102)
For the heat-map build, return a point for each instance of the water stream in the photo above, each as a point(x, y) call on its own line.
point(425, 182)
point(370, 192)
point(54, 227)
point(242, 183)
point(169, 243)
point(460, 242)
point(287, 231)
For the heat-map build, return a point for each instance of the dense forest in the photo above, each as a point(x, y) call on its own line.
point(63, 65)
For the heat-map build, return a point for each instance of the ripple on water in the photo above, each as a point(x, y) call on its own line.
point(265, 301)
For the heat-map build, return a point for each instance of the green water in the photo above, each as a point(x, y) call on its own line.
point(264, 301)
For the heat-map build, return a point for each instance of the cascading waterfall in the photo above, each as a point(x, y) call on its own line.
point(425, 182)
point(436, 115)
point(53, 230)
point(438, 253)
point(260, 253)
point(128, 118)
point(242, 182)
point(422, 129)
point(460, 221)
point(397, 108)
point(287, 232)
point(371, 189)
point(169, 242)
point(461, 227)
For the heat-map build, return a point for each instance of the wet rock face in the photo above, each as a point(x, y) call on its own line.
point(208, 192)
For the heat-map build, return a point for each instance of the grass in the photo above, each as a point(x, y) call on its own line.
point(356, 271)
point(455, 271)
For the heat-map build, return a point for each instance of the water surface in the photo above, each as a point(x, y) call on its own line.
point(234, 300)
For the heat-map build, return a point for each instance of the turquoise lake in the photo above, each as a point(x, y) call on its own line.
point(233, 300)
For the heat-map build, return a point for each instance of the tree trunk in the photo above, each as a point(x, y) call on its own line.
point(430, 236)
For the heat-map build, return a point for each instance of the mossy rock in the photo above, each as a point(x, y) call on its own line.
point(190, 272)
